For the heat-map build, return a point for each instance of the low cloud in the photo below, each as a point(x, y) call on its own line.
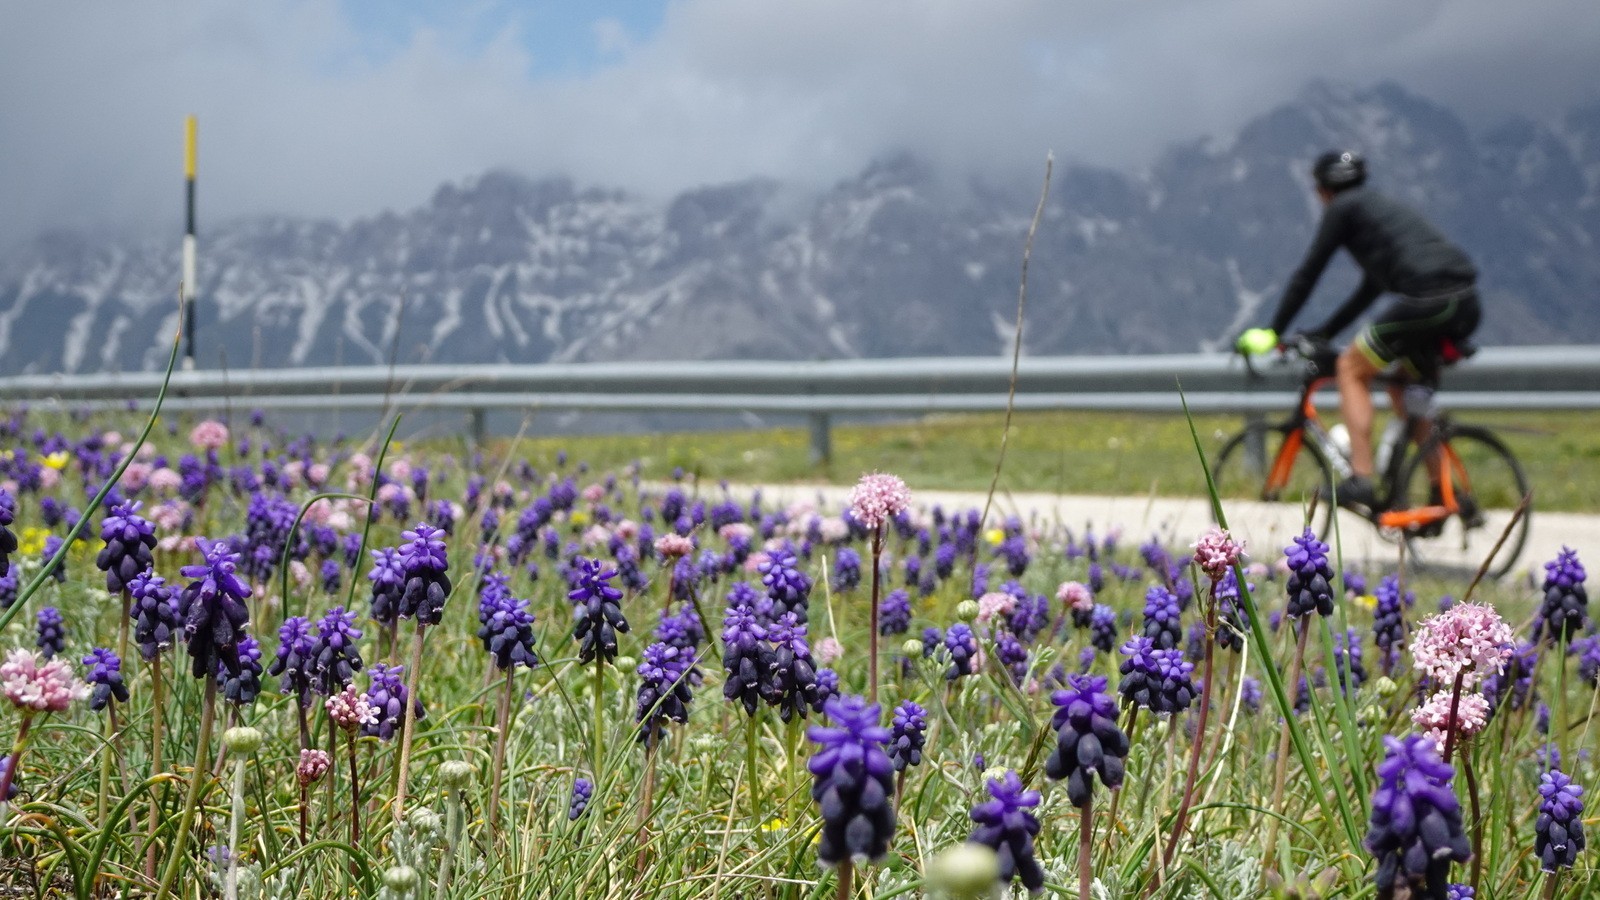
point(299, 115)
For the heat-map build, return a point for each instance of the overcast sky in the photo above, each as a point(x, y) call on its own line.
point(350, 108)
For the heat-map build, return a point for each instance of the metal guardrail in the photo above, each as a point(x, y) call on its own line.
point(1560, 377)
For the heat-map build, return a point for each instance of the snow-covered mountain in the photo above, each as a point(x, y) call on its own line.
point(901, 260)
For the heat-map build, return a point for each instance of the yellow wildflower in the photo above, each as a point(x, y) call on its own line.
point(31, 541)
point(776, 823)
point(994, 536)
point(57, 460)
point(1368, 602)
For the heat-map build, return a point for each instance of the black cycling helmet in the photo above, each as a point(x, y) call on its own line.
point(1339, 170)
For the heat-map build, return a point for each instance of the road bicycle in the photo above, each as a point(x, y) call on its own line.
point(1479, 483)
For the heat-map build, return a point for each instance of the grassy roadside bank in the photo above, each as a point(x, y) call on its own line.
point(1070, 452)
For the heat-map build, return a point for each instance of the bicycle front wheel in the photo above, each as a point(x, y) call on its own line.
point(1489, 484)
point(1247, 461)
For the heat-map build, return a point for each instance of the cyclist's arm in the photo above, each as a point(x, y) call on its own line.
point(1330, 237)
point(1359, 300)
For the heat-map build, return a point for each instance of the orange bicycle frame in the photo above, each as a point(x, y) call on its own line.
point(1450, 468)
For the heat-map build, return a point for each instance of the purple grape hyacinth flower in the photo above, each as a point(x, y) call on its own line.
point(1566, 601)
point(747, 657)
point(1089, 743)
point(335, 657)
point(293, 665)
point(787, 586)
point(963, 646)
point(597, 617)
point(663, 691)
point(52, 633)
point(8, 541)
point(1162, 618)
point(793, 685)
point(105, 678)
point(507, 630)
point(155, 614)
point(908, 733)
point(582, 791)
point(388, 698)
point(894, 613)
point(1558, 831)
point(1415, 831)
point(130, 541)
point(1005, 825)
point(388, 578)
point(853, 782)
point(1310, 576)
point(242, 687)
point(1103, 628)
point(427, 583)
point(213, 610)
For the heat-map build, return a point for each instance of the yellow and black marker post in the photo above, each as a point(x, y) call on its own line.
point(190, 134)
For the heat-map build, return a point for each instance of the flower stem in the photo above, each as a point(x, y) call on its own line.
point(845, 871)
point(872, 634)
point(208, 715)
point(452, 840)
point(1116, 793)
point(1477, 818)
point(1450, 722)
point(355, 791)
point(408, 720)
point(1199, 737)
point(235, 820)
point(14, 763)
point(1281, 771)
point(596, 735)
point(750, 736)
point(1085, 840)
point(156, 766)
point(502, 727)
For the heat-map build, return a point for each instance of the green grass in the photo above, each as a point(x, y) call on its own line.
point(1089, 452)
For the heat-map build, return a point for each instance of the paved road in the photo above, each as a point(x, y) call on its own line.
point(1264, 526)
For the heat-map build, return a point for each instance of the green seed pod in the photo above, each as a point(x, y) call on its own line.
point(242, 740)
point(400, 878)
point(457, 774)
point(964, 872)
point(912, 648)
point(625, 664)
point(967, 610)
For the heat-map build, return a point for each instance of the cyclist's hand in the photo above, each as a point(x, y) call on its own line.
point(1256, 341)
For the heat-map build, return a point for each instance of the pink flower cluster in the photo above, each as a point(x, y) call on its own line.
point(672, 546)
point(877, 498)
point(1075, 595)
point(350, 710)
point(209, 435)
point(1216, 552)
point(1469, 640)
point(1433, 717)
point(827, 651)
point(995, 603)
point(47, 687)
point(313, 765)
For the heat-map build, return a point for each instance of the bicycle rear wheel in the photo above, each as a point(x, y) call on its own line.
point(1488, 483)
point(1242, 466)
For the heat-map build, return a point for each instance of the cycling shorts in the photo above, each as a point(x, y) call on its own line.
point(1411, 329)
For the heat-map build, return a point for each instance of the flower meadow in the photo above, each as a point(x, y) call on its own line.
point(267, 665)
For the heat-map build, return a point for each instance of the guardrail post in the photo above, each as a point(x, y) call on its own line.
point(480, 427)
point(821, 440)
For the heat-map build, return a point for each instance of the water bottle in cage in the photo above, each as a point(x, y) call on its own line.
point(1393, 434)
point(1340, 437)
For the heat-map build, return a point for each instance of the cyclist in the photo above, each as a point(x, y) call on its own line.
point(1435, 310)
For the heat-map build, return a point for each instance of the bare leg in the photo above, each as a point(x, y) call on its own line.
point(1355, 374)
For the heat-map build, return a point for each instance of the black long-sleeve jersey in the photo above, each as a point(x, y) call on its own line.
point(1398, 251)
